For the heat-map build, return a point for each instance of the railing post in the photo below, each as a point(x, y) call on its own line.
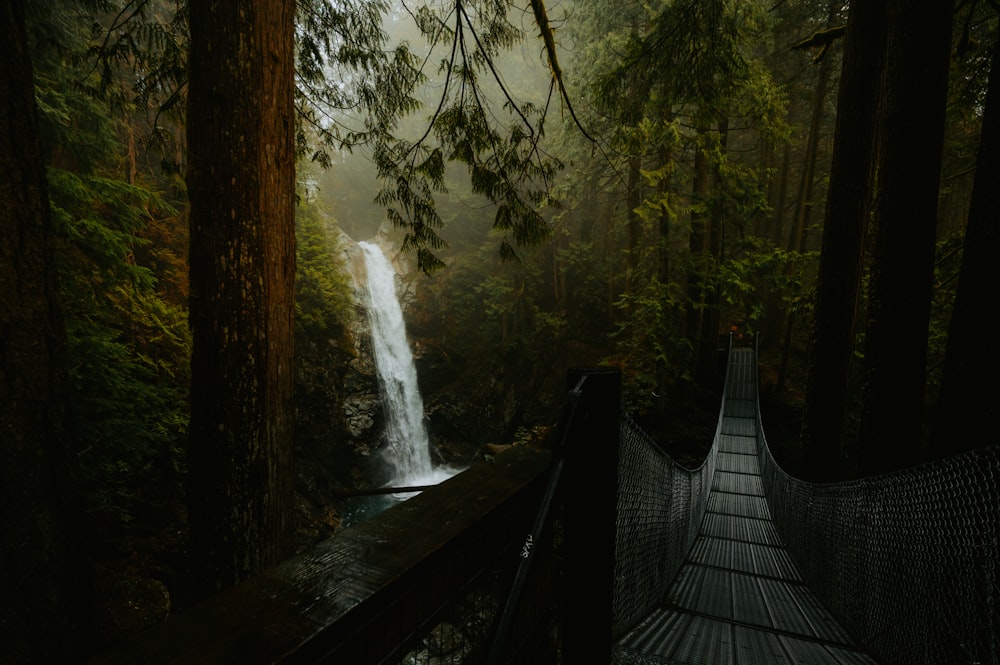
point(591, 486)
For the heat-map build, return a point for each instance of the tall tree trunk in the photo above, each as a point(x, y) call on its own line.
point(663, 372)
point(40, 591)
point(241, 181)
point(845, 225)
point(918, 52)
point(709, 339)
point(967, 412)
point(633, 201)
point(663, 230)
point(804, 203)
point(771, 326)
point(778, 220)
point(701, 187)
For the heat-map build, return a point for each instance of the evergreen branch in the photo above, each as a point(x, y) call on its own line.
point(119, 22)
point(447, 81)
point(496, 74)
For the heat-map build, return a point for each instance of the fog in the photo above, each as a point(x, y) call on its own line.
point(348, 187)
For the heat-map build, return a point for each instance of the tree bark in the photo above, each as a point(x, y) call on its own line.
point(845, 225)
point(41, 601)
point(918, 54)
point(966, 412)
point(241, 180)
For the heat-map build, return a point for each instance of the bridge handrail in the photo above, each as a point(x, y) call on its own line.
point(908, 561)
point(378, 590)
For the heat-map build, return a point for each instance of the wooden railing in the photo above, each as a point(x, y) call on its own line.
point(374, 591)
point(502, 563)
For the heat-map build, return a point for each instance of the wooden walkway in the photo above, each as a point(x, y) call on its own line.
point(739, 599)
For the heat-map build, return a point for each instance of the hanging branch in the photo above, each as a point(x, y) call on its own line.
point(542, 20)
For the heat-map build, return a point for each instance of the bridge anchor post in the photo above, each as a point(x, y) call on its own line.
point(590, 511)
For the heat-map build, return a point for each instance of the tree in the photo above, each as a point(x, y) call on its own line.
point(914, 96)
point(966, 412)
point(832, 342)
point(241, 174)
point(40, 592)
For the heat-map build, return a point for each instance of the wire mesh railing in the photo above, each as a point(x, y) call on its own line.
point(660, 507)
point(909, 561)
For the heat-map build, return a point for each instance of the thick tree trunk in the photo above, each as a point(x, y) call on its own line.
point(967, 412)
point(241, 181)
point(40, 594)
point(918, 53)
point(852, 171)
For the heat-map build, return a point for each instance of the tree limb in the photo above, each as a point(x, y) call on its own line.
point(821, 38)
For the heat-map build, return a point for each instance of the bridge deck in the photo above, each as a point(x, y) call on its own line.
point(739, 599)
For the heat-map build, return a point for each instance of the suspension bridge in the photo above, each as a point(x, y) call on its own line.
point(737, 596)
point(605, 550)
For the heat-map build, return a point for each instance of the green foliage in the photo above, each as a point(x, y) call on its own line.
point(503, 159)
point(128, 348)
point(149, 39)
point(758, 271)
point(324, 306)
point(351, 88)
point(128, 340)
point(695, 51)
point(648, 342)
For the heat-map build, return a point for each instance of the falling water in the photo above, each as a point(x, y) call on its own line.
point(408, 448)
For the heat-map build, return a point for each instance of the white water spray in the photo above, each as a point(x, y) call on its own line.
point(408, 448)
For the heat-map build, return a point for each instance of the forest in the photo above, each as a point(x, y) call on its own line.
point(186, 393)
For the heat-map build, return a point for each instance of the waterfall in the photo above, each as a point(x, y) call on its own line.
point(407, 445)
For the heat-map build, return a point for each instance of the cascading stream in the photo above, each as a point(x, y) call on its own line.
point(407, 444)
